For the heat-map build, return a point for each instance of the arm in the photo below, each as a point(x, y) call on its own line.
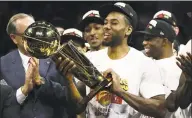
point(151, 107)
point(183, 95)
point(184, 91)
point(82, 89)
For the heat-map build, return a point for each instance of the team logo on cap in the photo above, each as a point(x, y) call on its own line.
point(120, 4)
point(73, 32)
point(153, 23)
point(91, 13)
point(163, 16)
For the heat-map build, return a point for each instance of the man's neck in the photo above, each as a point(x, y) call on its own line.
point(97, 48)
point(24, 52)
point(167, 53)
point(118, 52)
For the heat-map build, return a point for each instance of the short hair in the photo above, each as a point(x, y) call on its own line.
point(11, 27)
point(127, 20)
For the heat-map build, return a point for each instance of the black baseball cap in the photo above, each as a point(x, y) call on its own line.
point(159, 28)
point(121, 7)
point(91, 16)
point(166, 16)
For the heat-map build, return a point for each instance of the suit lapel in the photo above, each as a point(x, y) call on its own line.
point(44, 66)
point(18, 68)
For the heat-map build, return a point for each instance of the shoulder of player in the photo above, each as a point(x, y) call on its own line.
point(95, 53)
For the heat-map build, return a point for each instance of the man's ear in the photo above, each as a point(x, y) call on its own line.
point(13, 38)
point(165, 41)
point(129, 30)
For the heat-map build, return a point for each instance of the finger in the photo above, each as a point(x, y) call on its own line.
point(32, 62)
point(107, 72)
point(186, 61)
point(188, 58)
point(180, 60)
point(182, 57)
point(63, 64)
point(36, 61)
point(70, 70)
point(180, 66)
point(58, 62)
point(69, 66)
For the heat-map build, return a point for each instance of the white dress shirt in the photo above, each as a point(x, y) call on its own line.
point(19, 95)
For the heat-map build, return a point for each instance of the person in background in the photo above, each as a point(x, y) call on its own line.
point(92, 27)
point(76, 36)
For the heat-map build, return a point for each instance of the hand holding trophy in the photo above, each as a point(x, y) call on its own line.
point(42, 40)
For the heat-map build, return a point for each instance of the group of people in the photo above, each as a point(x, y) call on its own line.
point(154, 83)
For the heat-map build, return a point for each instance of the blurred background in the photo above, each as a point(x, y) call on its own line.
point(68, 14)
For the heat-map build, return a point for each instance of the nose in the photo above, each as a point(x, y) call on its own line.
point(106, 26)
point(92, 32)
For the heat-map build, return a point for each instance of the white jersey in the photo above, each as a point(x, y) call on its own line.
point(171, 75)
point(139, 76)
point(186, 48)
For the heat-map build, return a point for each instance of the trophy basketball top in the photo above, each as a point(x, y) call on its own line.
point(41, 39)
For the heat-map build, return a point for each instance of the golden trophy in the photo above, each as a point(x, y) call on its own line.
point(42, 40)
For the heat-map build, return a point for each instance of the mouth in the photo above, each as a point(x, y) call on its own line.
point(147, 50)
point(106, 35)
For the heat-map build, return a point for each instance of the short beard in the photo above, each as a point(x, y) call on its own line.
point(116, 40)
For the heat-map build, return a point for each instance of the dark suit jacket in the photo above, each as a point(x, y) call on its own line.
point(9, 108)
point(40, 103)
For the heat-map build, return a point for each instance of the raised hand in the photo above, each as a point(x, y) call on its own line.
point(65, 66)
point(28, 86)
point(185, 63)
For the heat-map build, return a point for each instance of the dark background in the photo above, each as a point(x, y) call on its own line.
point(69, 13)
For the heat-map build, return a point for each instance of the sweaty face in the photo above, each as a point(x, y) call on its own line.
point(93, 34)
point(153, 47)
point(114, 29)
point(21, 26)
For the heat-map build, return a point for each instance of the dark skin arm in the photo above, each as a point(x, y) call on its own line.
point(82, 89)
point(171, 101)
point(153, 107)
point(184, 93)
point(66, 66)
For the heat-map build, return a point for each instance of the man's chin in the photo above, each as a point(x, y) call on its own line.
point(107, 43)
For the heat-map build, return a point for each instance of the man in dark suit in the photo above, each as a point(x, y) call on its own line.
point(9, 108)
point(36, 100)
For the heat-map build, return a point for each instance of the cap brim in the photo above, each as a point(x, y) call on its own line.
point(106, 9)
point(88, 20)
point(146, 35)
point(144, 32)
point(66, 38)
